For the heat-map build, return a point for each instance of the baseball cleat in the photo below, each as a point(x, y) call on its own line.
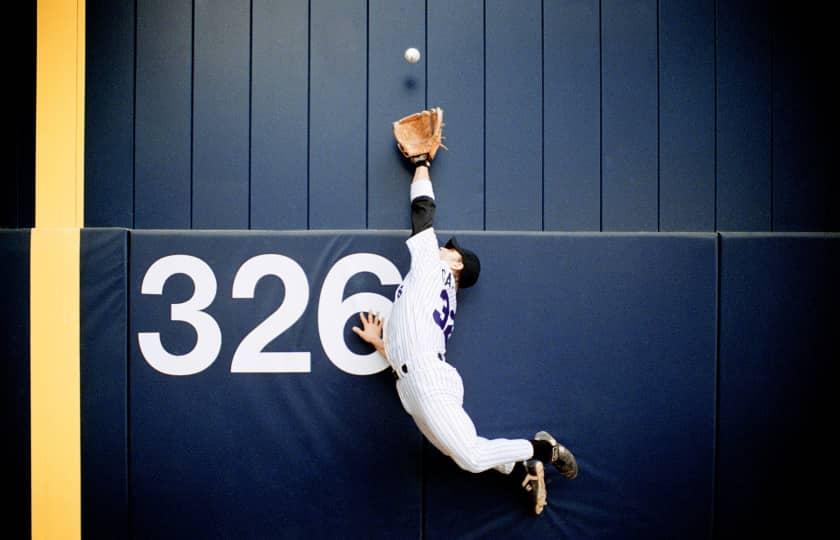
point(534, 484)
point(561, 457)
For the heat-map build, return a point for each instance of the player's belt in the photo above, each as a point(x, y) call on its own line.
point(404, 370)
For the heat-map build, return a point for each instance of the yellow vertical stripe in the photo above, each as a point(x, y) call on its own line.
point(59, 114)
point(54, 381)
point(54, 268)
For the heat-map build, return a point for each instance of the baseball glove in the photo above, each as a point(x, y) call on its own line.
point(419, 135)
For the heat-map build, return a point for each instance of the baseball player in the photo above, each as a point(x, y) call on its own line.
point(422, 320)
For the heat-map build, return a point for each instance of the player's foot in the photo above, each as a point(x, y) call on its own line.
point(534, 484)
point(561, 457)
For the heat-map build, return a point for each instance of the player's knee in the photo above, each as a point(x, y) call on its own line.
point(468, 461)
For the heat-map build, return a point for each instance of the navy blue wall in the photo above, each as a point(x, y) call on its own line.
point(689, 372)
point(778, 348)
point(103, 367)
point(669, 115)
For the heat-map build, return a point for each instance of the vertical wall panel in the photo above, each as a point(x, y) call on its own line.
point(687, 115)
point(109, 111)
point(221, 115)
point(513, 39)
point(396, 89)
point(338, 105)
point(17, 193)
point(572, 36)
point(279, 101)
point(803, 45)
point(103, 369)
point(14, 393)
point(743, 116)
point(629, 67)
point(455, 63)
point(162, 183)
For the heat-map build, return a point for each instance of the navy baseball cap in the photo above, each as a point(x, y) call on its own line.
point(472, 266)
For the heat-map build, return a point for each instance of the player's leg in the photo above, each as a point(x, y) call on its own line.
point(451, 430)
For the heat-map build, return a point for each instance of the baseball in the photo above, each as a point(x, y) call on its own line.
point(412, 55)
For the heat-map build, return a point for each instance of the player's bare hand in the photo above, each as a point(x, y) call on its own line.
point(371, 330)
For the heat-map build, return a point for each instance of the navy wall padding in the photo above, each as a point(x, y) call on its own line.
point(109, 111)
point(743, 116)
point(14, 353)
point(623, 373)
point(163, 109)
point(778, 350)
point(455, 64)
point(395, 86)
point(687, 115)
point(221, 454)
point(104, 382)
point(338, 86)
point(279, 97)
point(513, 127)
point(572, 115)
point(221, 114)
point(607, 342)
point(629, 115)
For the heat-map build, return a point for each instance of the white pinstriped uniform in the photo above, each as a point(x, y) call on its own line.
point(431, 390)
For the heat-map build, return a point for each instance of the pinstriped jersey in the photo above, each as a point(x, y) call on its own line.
point(423, 315)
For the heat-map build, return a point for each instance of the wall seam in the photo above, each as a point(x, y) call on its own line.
point(716, 83)
point(250, 103)
point(658, 125)
point(308, 106)
point(192, 110)
point(134, 128)
point(484, 111)
point(128, 507)
point(600, 116)
point(367, 114)
point(772, 103)
point(542, 114)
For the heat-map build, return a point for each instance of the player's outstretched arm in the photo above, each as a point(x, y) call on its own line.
point(422, 201)
point(371, 331)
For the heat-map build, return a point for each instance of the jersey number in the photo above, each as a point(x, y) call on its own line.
point(444, 315)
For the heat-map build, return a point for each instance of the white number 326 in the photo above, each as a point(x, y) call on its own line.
point(250, 357)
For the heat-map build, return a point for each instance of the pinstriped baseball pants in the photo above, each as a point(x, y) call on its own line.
point(434, 397)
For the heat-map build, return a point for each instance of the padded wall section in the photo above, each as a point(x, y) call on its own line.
point(163, 110)
point(743, 196)
point(221, 121)
point(264, 444)
point(687, 115)
point(14, 353)
point(513, 128)
point(109, 113)
point(778, 347)
point(629, 101)
point(455, 65)
point(608, 342)
point(104, 382)
point(394, 87)
point(572, 115)
point(279, 52)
